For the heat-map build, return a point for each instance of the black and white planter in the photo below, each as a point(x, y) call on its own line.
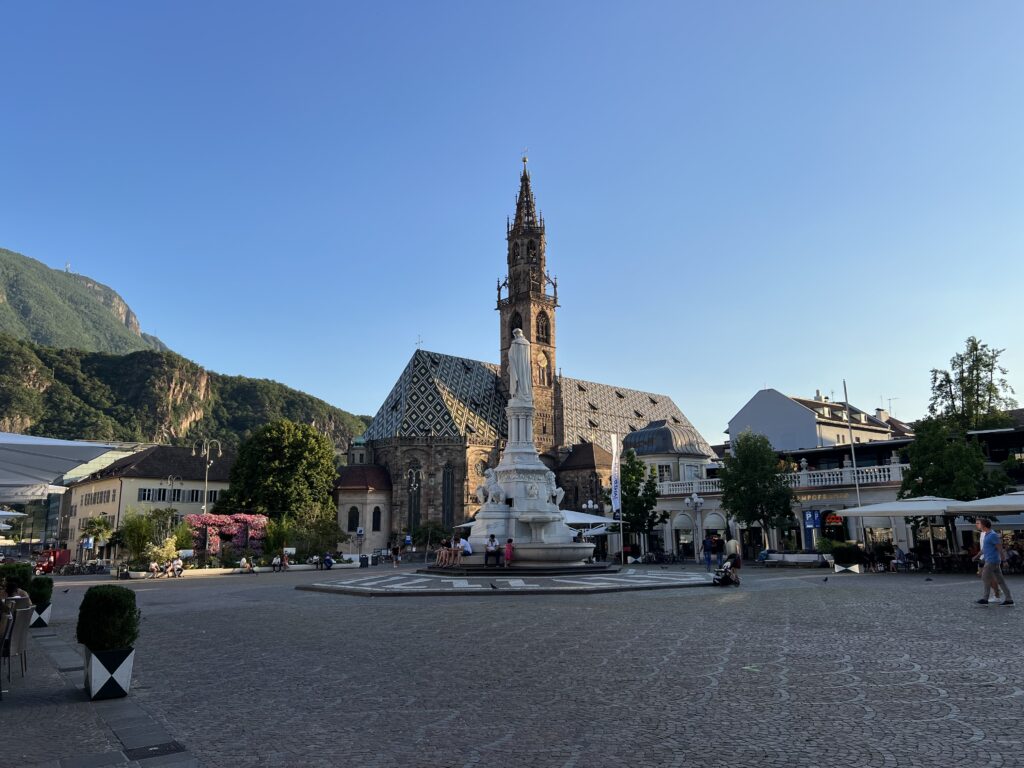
point(41, 615)
point(108, 674)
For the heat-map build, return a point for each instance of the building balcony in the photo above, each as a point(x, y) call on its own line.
point(888, 474)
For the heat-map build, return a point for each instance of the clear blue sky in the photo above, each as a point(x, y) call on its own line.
point(738, 194)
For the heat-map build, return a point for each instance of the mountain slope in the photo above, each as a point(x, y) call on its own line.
point(66, 310)
point(149, 396)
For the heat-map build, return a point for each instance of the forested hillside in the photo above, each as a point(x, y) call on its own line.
point(65, 310)
point(147, 396)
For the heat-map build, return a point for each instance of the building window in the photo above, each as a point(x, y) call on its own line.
point(353, 519)
point(516, 322)
point(176, 494)
point(161, 494)
point(211, 496)
point(543, 328)
point(664, 473)
point(145, 494)
point(543, 370)
point(195, 496)
point(376, 519)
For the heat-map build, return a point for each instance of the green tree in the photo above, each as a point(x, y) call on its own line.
point(973, 393)
point(945, 463)
point(183, 536)
point(754, 489)
point(639, 495)
point(284, 467)
point(164, 521)
point(137, 533)
point(99, 528)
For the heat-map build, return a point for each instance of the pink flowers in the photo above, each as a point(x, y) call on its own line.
point(243, 531)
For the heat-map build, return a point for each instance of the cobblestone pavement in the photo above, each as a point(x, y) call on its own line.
point(875, 670)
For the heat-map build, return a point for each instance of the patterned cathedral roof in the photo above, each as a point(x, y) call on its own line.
point(445, 396)
point(594, 412)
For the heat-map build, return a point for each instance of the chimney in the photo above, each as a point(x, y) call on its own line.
point(817, 396)
point(882, 415)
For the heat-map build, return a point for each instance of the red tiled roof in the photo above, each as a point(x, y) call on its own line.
point(363, 477)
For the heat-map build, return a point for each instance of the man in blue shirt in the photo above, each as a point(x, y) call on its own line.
point(992, 551)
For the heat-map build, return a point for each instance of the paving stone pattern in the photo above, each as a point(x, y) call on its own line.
point(876, 670)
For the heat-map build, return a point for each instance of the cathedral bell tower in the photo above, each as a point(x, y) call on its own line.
point(528, 306)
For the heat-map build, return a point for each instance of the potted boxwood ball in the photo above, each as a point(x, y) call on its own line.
point(108, 624)
point(40, 590)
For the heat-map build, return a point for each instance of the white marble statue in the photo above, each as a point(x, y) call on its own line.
point(519, 368)
point(495, 493)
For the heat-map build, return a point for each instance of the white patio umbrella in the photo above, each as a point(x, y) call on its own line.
point(11, 513)
point(27, 460)
point(1008, 502)
point(920, 506)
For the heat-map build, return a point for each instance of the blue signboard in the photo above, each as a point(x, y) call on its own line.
point(812, 518)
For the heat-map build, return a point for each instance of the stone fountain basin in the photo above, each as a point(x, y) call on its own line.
point(527, 555)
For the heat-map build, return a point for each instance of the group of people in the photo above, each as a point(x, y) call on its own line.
point(172, 569)
point(451, 551)
point(714, 546)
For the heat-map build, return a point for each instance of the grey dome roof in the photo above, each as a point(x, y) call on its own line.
point(663, 437)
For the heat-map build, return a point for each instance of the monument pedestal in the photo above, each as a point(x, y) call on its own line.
point(522, 502)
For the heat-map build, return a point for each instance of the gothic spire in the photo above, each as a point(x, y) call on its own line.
point(526, 206)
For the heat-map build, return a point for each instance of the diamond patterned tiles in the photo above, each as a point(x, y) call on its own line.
point(443, 396)
point(455, 397)
point(594, 412)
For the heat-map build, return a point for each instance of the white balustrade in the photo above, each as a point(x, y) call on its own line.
point(821, 478)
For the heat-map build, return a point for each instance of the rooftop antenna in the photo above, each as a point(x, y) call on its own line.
point(419, 341)
point(891, 399)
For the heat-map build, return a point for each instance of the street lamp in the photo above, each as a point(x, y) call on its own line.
point(170, 482)
point(207, 453)
point(590, 507)
point(696, 503)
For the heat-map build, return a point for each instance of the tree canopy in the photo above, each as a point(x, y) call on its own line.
point(754, 489)
point(973, 393)
point(284, 467)
point(945, 463)
point(639, 495)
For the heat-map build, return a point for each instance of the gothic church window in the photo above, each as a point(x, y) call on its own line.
point(517, 322)
point(376, 519)
point(543, 328)
point(531, 251)
point(515, 253)
point(448, 495)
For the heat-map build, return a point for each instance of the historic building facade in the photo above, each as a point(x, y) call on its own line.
point(443, 422)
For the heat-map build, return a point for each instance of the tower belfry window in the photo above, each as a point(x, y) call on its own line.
point(543, 328)
point(531, 251)
point(517, 322)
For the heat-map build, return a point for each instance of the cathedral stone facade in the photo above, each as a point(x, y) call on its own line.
point(443, 423)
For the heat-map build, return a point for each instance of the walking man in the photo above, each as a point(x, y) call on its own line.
point(992, 550)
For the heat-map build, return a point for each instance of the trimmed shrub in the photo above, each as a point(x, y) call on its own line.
point(22, 572)
point(847, 554)
point(108, 619)
point(40, 589)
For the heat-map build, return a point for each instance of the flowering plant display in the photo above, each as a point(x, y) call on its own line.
point(242, 531)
